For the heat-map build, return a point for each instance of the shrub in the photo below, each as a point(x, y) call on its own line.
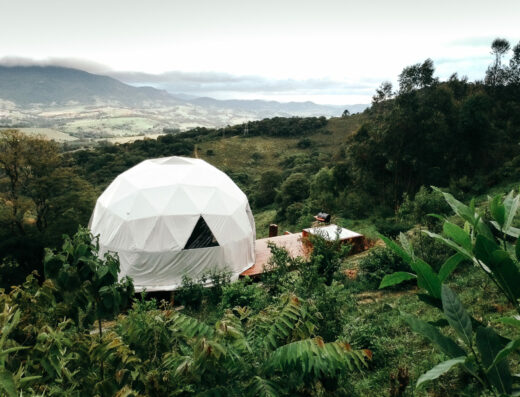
point(391, 227)
point(293, 213)
point(218, 280)
point(244, 293)
point(425, 202)
point(207, 289)
point(378, 263)
point(304, 143)
point(327, 256)
point(277, 275)
point(333, 303)
point(256, 156)
point(190, 294)
point(355, 204)
point(431, 250)
point(294, 189)
point(265, 189)
point(369, 333)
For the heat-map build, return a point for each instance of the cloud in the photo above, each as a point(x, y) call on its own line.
point(215, 84)
point(74, 63)
point(478, 41)
point(202, 83)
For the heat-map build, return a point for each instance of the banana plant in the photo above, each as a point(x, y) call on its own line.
point(489, 246)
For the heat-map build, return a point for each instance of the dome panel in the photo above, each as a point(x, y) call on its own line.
point(220, 204)
point(199, 196)
point(159, 197)
point(118, 190)
point(181, 204)
point(181, 227)
point(141, 207)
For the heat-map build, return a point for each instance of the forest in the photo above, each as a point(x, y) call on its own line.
point(429, 172)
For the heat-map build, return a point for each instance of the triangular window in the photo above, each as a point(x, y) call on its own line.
point(201, 237)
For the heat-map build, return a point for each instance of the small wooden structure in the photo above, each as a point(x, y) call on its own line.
point(332, 232)
point(298, 244)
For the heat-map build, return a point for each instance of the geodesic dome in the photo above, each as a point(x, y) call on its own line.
point(171, 217)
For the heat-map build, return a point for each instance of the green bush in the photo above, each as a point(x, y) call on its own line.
point(218, 281)
point(277, 277)
point(370, 333)
point(304, 143)
point(426, 201)
point(264, 192)
point(190, 294)
point(327, 256)
point(391, 227)
point(355, 204)
point(294, 212)
point(378, 263)
point(333, 303)
point(244, 293)
point(431, 250)
point(294, 189)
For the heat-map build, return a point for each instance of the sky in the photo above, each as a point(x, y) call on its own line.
point(326, 51)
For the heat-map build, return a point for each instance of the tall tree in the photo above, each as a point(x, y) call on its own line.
point(496, 74)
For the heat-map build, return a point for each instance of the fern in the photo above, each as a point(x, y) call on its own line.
point(284, 323)
point(313, 356)
point(262, 388)
point(188, 327)
point(230, 328)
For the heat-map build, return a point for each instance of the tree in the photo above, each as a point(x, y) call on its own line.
point(35, 183)
point(514, 66)
point(41, 198)
point(417, 76)
point(322, 190)
point(265, 192)
point(496, 74)
point(345, 113)
point(14, 171)
point(383, 93)
point(295, 188)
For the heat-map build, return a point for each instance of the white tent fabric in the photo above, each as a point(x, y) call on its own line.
point(157, 214)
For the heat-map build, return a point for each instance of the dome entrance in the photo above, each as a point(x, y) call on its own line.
point(201, 237)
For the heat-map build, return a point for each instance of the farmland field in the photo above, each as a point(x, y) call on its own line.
point(117, 126)
point(49, 133)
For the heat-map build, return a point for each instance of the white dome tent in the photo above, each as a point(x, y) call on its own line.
point(171, 217)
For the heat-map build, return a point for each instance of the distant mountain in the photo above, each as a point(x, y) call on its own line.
point(274, 108)
point(53, 85)
point(41, 88)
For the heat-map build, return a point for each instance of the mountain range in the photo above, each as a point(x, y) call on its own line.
point(54, 85)
point(29, 94)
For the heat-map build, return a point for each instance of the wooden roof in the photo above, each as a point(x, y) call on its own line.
point(291, 242)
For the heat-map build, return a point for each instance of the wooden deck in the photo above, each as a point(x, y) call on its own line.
point(291, 242)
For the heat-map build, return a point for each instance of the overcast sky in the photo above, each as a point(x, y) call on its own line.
point(328, 51)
